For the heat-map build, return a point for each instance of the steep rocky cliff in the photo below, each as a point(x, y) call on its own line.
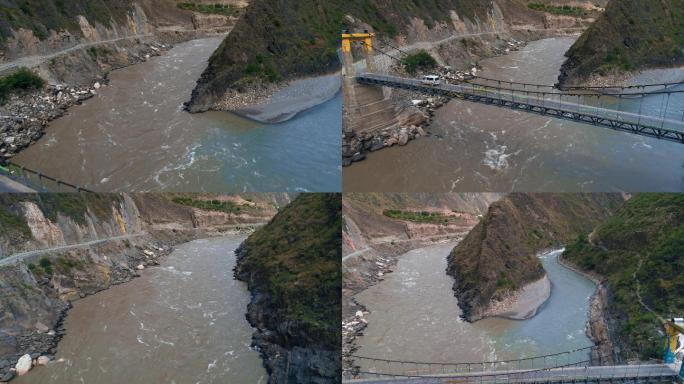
point(630, 35)
point(638, 253)
point(292, 269)
point(499, 256)
point(57, 248)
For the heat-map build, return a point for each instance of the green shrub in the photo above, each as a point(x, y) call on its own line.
point(211, 9)
point(46, 264)
point(210, 205)
point(22, 80)
point(565, 10)
point(421, 60)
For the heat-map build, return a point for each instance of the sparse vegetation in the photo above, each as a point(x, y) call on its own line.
point(212, 9)
point(422, 60)
point(210, 205)
point(417, 216)
point(10, 222)
point(564, 10)
point(44, 16)
point(75, 205)
point(46, 265)
point(20, 81)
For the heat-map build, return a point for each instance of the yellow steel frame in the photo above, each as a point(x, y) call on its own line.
point(366, 38)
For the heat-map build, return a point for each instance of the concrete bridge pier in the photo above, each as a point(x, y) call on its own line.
point(366, 109)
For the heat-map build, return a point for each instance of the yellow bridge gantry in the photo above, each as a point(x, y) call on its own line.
point(348, 38)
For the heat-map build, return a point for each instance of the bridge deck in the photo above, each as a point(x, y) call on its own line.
point(548, 104)
point(646, 372)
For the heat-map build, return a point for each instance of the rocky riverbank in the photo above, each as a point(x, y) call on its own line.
point(284, 352)
point(38, 343)
point(291, 267)
point(61, 289)
point(25, 117)
point(63, 247)
point(600, 325)
point(414, 111)
point(634, 78)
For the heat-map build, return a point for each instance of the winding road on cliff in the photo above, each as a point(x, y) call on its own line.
point(17, 257)
point(33, 61)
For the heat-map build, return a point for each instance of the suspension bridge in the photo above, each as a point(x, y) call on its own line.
point(652, 110)
point(15, 178)
point(579, 365)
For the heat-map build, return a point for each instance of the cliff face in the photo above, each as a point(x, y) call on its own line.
point(123, 233)
point(630, 35)
point(499, 256)
point(638, 252)
point(292, 269)
point(43, 27)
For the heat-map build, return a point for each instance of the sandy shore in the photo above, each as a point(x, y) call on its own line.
point(523, 303)
point(297, 96)
point(645, 76)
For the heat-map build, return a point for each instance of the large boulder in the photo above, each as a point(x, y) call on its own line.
point(403, 137)
point(24, 364)
point(42, 328)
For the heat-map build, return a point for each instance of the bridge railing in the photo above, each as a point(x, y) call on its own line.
point(584, 364)
point(625, 90)
point(662, 109)
point(36, 180)
point(390, 367)
point(659, 114)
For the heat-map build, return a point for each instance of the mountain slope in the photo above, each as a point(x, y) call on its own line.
point(639, 253)
point(630, 35)
point(499, 256)
point(292, 269)
point(286, 39)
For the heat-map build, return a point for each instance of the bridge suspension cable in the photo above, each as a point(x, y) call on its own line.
point(416, 373)
point(479, 362)
point(589, 88)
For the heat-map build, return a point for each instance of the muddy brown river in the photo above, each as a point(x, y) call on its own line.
point(478, 147)
point(414, 316)
point(135, 136)
point(182, 322)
